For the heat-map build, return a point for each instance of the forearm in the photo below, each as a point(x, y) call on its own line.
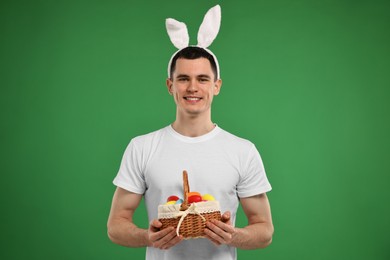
point(253, 236)
point(126, 233)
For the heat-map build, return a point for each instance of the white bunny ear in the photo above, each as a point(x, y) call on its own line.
point(178, 33)
point(209, 28)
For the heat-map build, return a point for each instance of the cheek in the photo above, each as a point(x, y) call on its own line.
point(176, 96)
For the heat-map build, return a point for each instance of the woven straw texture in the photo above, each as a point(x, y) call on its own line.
point(192, 226)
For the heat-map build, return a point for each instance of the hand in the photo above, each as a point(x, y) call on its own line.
point(162, 239)
point(220, 232)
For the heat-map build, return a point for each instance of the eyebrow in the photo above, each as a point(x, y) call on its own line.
point(198, 76)
point(182, 76)
point(204, 76)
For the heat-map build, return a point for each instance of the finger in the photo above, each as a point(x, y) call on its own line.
point(161, 241)
point(222, 231)
point(158, 235)
point(214, 237)
point(209, 235)
point(225, 217)
point(174, 241)
point(155, 223)
point(167, 241)
point(225, 227)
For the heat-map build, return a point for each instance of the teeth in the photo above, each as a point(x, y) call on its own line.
point(192, 98)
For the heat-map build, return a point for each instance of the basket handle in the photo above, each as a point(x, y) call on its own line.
point(186, 188)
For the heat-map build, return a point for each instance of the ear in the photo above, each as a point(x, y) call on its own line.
point(209, 28)
point(169, 85)
point(217, 86)
point(178, 33)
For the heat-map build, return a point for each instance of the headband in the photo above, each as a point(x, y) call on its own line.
point(208, 31)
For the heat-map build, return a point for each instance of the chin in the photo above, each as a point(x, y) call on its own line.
point(193, 113)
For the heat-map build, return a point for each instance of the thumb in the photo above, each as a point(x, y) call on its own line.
point(225, 217)
point(155, 224)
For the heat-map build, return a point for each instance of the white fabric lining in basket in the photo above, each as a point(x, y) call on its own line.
point(173, 211)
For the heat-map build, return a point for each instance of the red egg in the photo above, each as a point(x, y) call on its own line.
point(194, 198)
point(173, 198)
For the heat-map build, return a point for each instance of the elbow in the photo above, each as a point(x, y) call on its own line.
point(111, 234)
point(114, 237)
point(266, 242)
point(267, 238)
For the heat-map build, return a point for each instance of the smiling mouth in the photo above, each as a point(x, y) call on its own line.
point(192, 98)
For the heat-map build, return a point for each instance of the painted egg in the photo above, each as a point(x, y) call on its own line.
point(194, 198)
point(189, 194)
point(170, 202)
point(172, 198)
point(179, 201)
point(207, 197)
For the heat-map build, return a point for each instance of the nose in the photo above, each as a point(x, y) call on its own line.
point(192, 86)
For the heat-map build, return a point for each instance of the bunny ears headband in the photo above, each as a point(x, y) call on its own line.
point(208, 31)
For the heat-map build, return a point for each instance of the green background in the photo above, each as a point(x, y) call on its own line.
point(306, 81)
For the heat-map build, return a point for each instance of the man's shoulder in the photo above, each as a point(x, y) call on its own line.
point(235, 139)
point(149, 137)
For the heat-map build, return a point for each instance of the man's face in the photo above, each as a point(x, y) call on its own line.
point(193, 86)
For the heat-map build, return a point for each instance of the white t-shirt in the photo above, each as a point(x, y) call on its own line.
point(218, 163)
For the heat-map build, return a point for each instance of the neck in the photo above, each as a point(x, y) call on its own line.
point(193, 126)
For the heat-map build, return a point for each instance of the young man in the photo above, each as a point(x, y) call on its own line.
point(218, 163)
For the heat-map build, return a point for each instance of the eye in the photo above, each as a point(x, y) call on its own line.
point(203, 79)
point(182, 79)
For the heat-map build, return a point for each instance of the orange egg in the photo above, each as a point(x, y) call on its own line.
point(192, 193)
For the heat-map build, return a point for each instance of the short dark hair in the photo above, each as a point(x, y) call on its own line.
point(192, 53)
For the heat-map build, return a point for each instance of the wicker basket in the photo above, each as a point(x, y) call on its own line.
point(188, 219)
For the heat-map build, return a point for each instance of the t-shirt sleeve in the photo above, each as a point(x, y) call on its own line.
point(253, 178)
point(130, 175)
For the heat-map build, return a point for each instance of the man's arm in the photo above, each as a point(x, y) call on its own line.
point(120, 227)
point(122, 230)
point(257, 234)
